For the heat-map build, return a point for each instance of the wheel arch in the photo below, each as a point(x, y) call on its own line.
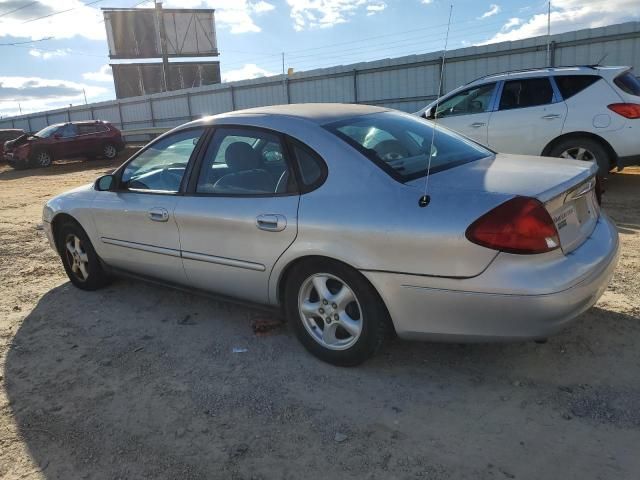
point(56, 224)
point(579, 134)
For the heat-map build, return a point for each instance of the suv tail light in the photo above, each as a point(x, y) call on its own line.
point(520, 225)
point(627, 110)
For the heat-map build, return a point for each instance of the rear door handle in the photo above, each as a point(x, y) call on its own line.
point(551, 116)
point(478, 124)
point(271, 222)
point(159, 214)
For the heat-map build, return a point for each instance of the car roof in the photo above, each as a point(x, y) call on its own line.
point(320, 113)
point(545, 72)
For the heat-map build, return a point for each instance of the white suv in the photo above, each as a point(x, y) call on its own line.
point(586, 113)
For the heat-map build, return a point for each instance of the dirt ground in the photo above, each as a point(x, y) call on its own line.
point(138, 381)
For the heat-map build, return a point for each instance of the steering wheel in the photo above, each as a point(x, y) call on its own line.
point(390, 150)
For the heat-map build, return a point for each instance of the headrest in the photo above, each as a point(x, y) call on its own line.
point(241, 156)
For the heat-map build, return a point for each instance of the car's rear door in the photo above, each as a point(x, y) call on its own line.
point(529, 115)
point(240, 212)
point(136, 224)
point(65, 142)
point(468, 111)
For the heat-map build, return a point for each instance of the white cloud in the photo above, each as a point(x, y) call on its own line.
point(236, 15)
point(427, 2)
point(493, 10)
point(327, 13)
point(569, 15)
point(248, 71)
point(39, 94)
point(103, 74)
point(47, 54)
point(79, 20)
point(512, 22)
point(374, 8)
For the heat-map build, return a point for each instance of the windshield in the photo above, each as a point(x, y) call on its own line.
point(399, 144)
point(47, 131)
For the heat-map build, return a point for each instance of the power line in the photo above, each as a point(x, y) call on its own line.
point(61, 11)
point(9, 12)
point(15, 44)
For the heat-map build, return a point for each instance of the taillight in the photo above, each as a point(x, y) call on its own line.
point(520, 225)
point(627, 110)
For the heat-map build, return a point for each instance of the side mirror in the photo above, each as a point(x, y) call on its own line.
point(57, 136)
point(428, 114)
point(105, 183)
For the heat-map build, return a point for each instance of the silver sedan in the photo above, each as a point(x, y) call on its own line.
point(358, 222)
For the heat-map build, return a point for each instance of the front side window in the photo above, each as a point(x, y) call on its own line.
point(401, 144)
point(472, 100)
point(526, 93)
point(69, 130)
point(628, 84)
point(243, 161)
point(162, 165)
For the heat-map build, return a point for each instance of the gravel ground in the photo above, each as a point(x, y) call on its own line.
point(138, 381)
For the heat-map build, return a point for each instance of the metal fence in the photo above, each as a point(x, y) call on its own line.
point(405, 83)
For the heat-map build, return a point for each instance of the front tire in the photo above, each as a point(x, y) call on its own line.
point(80, 260)
point(41, 159)
point(109, 151)
point(335, 312)
point(586, 149)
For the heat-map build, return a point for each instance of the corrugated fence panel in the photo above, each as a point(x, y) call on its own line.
point(322, 90)
point(171, 108)
point(211, 103)
point(405, 83)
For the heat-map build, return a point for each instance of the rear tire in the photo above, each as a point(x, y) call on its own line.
point(80, 260)
point(335, 312)
point(584, 148)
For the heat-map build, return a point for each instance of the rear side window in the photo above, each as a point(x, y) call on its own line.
point(526, 93)
point(569, 85)
point(628, 84)
point(84, 129)
point(312, 168)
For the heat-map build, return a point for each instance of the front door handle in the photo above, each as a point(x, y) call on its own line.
point(478, 124)
point(271, 222)
point(159, 214)
point(551, 116)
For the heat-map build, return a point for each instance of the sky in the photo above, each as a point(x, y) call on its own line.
point(54, 52)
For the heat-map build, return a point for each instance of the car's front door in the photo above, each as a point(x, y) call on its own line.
point(528, 117)
point(467, 112)
point(65, 142)
point(240, 213)
point(136, 223)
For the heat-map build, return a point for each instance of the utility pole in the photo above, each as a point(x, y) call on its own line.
point(85, 96)
point(549, 34)
point(20, 108)
point(284, 79)
point(163, 45)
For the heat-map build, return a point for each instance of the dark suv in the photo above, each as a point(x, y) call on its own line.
point(65, 140)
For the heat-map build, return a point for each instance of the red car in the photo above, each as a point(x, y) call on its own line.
point(6, 135)
point(65, 140)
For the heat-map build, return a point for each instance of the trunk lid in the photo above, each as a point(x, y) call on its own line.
point(565, 187)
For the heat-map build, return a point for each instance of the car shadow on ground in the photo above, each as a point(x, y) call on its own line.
point(139, 381)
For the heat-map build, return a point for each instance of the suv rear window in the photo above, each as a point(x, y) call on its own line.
point(569, 85)
point(400, 144)
point(628, 84)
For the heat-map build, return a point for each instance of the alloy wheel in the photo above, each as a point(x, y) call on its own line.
point(109, 151)
point(330, 311)
point(43, 159)
point(579, 153)
point(77, 257)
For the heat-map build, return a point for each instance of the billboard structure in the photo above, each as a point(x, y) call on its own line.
point(157, 33)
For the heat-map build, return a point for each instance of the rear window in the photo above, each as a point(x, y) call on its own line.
point(569, 85)
point(628, 84)
point(400, 144)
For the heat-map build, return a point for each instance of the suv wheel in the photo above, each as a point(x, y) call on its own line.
point(586, 149)
point(109, 151)
point(336, 314)
point(41, 158)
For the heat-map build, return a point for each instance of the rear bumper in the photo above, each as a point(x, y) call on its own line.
point(546, 296)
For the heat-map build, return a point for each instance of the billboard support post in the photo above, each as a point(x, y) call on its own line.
point(163, 45)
